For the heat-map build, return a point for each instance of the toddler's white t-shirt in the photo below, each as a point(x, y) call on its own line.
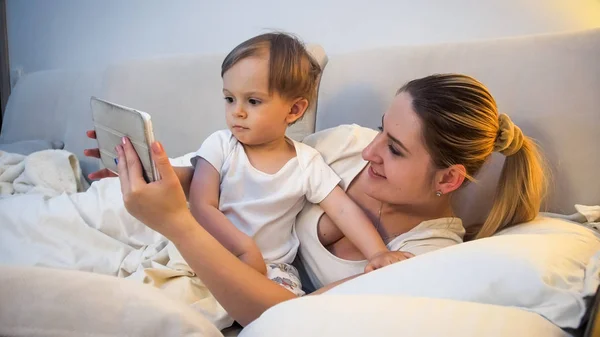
point(264, 206)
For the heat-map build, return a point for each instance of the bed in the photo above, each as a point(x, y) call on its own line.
point(76, 263)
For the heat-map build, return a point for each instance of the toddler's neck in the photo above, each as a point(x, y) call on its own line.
point(280, 145)
point(270, 157)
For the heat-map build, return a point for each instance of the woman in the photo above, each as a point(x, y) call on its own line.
point(436, 135)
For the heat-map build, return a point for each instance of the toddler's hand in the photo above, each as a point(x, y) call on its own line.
point(386, 258)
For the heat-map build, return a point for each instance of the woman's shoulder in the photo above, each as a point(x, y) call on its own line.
point(430, 235)
point(347, 132)
point(340, 141)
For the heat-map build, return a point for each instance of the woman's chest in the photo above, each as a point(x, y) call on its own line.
point(344, 248)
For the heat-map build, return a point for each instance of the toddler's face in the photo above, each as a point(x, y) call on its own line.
point(254, 116)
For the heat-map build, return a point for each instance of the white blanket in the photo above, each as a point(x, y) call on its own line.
point(48, 172)
point(92, 231)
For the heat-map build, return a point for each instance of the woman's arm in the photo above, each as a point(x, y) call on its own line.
point(241, 290)
point(161, 205)
point(204, 204)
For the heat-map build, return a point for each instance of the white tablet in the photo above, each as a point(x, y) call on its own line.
point(112, 122)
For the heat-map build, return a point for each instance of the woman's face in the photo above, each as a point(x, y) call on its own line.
point(400, 169)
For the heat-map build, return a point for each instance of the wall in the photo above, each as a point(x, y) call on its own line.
point(84, 33)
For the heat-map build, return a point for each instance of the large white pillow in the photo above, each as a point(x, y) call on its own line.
point(360, 315)
point(547, 266)
point(45, 302)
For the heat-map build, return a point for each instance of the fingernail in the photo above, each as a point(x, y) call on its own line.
point(124, 140)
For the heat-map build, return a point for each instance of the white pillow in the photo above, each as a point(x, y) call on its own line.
point(547, 266)
point(50, 302)
point(360, 315)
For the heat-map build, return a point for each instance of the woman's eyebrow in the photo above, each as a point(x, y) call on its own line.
point(395, 140)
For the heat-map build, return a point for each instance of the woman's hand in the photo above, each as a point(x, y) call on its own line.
point(161, 205)
point(157, 204)
point(386, 258)
point(184, 174)
point(95, 153)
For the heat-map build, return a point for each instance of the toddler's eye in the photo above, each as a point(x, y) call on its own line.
point(253, 101)
point(229, 99)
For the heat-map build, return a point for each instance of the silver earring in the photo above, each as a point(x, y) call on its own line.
point(438, 193)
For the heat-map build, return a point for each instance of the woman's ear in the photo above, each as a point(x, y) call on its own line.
point(297, 110)
point(450, 179)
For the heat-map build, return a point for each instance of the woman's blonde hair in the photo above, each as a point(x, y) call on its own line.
point(461, 125)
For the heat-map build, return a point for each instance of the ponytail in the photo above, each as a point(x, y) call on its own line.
point(520, 190)
point(461, 125)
